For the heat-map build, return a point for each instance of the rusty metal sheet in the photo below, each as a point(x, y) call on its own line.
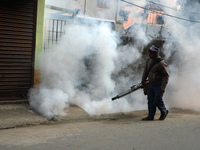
point(17, 47)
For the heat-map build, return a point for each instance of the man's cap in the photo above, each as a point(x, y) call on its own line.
point(154, 50)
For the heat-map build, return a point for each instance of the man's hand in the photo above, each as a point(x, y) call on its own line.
point(145, 86)
point(162, 90)
point(145, 82)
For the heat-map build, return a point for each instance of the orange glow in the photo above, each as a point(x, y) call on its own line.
point(131, 18)
point(151, 18)
point(178, 7)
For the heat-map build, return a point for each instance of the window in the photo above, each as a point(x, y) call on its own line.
point(103, 3)
point(124, 14)
point(160, 20)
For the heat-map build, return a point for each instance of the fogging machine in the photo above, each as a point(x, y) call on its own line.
point(133, 88)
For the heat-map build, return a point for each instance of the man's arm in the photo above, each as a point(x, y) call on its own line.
point(165, 76)
point(144, 75)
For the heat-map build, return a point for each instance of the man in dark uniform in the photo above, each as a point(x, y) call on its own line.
point(157, 74)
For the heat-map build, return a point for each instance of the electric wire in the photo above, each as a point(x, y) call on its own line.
point(174, 8)
point(179, 22)
point(160, 12)
point(180, 10)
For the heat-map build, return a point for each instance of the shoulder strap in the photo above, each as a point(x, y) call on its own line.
point(155, 62)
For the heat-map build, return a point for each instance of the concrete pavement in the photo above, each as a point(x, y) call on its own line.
point(112, 131)
point(23, 115)
point(18, 115)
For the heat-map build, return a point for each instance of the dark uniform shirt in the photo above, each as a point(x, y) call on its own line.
point(158, 74)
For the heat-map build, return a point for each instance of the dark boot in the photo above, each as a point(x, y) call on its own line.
point(163, 116)
point(147, 119)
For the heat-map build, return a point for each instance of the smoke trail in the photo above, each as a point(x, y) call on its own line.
point(182, 52)
point(85, 69)
point(88, 67)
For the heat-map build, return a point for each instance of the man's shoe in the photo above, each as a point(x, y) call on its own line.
point(147, 119)
point(162, 117)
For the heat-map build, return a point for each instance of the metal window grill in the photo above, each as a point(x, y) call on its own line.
point(53, 31)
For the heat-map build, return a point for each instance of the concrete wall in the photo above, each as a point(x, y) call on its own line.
point(93, 10)
point(39, 38)
point(39, 29)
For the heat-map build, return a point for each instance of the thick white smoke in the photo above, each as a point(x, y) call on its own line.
point(182, 51)
point(82, 70)
point(87, 68)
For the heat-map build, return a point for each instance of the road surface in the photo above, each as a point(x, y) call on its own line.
point(180, 131)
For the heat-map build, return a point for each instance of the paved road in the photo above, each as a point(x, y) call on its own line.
point(180, 131)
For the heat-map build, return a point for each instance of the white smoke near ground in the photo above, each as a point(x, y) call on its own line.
point(87, 68)
point(82, 70)
point(49, 102)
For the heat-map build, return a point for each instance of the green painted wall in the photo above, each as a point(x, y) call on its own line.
point(39, 30)
point(39, 39)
